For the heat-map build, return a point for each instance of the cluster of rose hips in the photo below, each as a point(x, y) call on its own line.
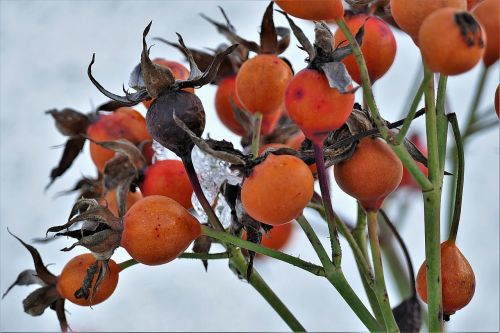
point(293, 126)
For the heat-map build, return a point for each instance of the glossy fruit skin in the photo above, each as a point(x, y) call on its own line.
point(472, 3)
point(315, 107)
point(409, 14)
point(371, 174)
point(157, 230)
point(278, 189)
point(488, 15)
point(407, 180)
point(160, 121)
point(261, 83)
point(168, 178)
point(180, 73)
point(458, 280)
point(378, 47)
point(227, 90)
point(74, 272)
point(110, 200)
point(451, 55)
point(124, 123)
point(313, 10)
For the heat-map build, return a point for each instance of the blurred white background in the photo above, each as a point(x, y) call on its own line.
point(44, 52)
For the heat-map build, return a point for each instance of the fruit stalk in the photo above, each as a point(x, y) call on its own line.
point(227, 238)
point(359, 235)
point(432, 205)
point(442, 121)
point(186, 255)
point(324, 185)
point(380, 288)
point(257, 124)
point(460, 177)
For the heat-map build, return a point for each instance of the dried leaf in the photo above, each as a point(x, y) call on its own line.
point(268, 34)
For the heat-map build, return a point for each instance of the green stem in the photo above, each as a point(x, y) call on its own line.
point(265, 291)
point(256, 134)
point(338, 280)
point(412, 167)
point(227, 238)
point(411, 113)
point(365, 80)
point(186, 255)
point(432, 203)
point(315, 242)
point(380, 288)
point(359, 235)
point(460, 177)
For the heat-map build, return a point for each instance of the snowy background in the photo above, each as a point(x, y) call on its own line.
point(44, 52)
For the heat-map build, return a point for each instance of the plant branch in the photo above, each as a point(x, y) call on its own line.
point(380, 288)
point(411, 113)
point(227, 238)
point(257, 124)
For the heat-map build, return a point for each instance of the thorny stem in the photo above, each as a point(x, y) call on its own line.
point(380, 288)
point(186, 255)
point(265, 291)
point(365, 80)
point(460, 177)
point(327, 203)
point(432, 204)
point(257, 124)
point(337, 279)
point(359, 235)
point(411, 113)
point(227, 238)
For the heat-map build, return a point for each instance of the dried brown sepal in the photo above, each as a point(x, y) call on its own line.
point(408, 315)
point(58, 307)
point(130, 99)
point(225, 153)
point(229, 65)
point(202, 244)
point(88, 188)
point(39, 300)
point(157, 79)
point(70, 122)
point(41, 270)
point(268, 34)
point(337, 76)
point(254, 235)
point(25, 278)
point(301, 37)
point(109, 106)
point(126, 148)
point(72, 149)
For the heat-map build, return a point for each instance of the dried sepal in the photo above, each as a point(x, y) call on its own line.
point(337, 76)
point(301, 37)
point(202, 244)
point(229, 155)
point(58, 307)
point(72, 149)
point(268, 34)
point(87, 187)
point(39, 300)
point(323, 37)
point(284, 39)
point(70, 122)
point(99, 267)
point(408, 315)
point(109, 106)
point(25, 278)
point(127, 100)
